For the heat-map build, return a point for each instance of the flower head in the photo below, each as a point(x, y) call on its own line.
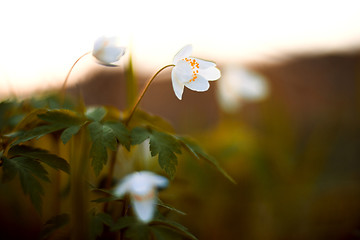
point(238, 85)
point(107, 50)
point(142, 187)
point(192, 72)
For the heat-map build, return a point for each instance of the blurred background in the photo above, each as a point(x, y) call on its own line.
point(283, 120)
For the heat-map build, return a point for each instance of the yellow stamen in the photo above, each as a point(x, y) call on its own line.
point(194, 66)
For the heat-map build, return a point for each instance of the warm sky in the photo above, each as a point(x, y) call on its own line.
point(40, 40)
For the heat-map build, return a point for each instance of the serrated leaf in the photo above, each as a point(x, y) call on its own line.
point(9, 170)
point(96, 113)
point(31, 119)
point(199, 153)
point(27, 169)
point(121, 132)
point(99, 156)
point(138, 135)
point(122, 223)
point(62, 117)
point(165, 146)
point(174, 226)
point(103, 136)
point(53, 224)
point(162, 144)
point(69, 132)
point(67, 119)
point(97, 224)
point(38, 132)
point(44, 156)
point(103, 133)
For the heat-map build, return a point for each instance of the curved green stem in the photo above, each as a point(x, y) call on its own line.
point(143, 93)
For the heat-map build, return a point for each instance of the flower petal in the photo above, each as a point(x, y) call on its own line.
point(109, 54)
point(177, 86)
point(124, 186)
point(203, 64)
point(183, 71)
point(145, 209)
point(183, 53)
point(211, 74)
point(200, 84)
point(106, 50)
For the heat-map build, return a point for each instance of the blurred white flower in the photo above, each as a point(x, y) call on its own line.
point(192, 72)
point(107, 50)
point(142, 187)
point(238, 85)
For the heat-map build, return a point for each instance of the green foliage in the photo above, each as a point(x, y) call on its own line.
point(199, 153)
point(103, 136)
point(25, 161)
point(123, 222)
point(10, 115)
point(98, 130)
point(171, 225)
point(97, 223)
point(29, 171)
point(41, 155)
point(166, 146)
point(53, 224)
point(96, 113)
point(55, 120)
point(162, 144)
point(71, 121)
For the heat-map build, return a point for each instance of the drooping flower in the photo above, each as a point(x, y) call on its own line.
point(107, 50)
point(142, 187)
point(192, 72)
point(238, 85)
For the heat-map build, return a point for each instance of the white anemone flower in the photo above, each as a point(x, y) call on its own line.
point(192, 72)
point(107, 50)
point(142, 187)
point(238, 85)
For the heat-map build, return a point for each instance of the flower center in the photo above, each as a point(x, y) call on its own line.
point(194, 67)
point(145, 197)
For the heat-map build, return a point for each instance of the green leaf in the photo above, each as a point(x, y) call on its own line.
point(102, 137)
point(38, 132)
point(96, 113)
point(165, 146)
point(123, 222)
point(160, 203)
point(62, 117)
point(53, 224)
point(69, 132)
point(9, 170)
point(99, 156)
point(199, 153)
point(138, 232)
point(138, 135)
point(153, 121)
point(29, 170)
point(67, 119)
point(162, 233)
point(44, 156)
point(121, 132)
point(30, 120)
point(97, 224)
point(173, 226)
point(162, 144)
point(105, 199)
